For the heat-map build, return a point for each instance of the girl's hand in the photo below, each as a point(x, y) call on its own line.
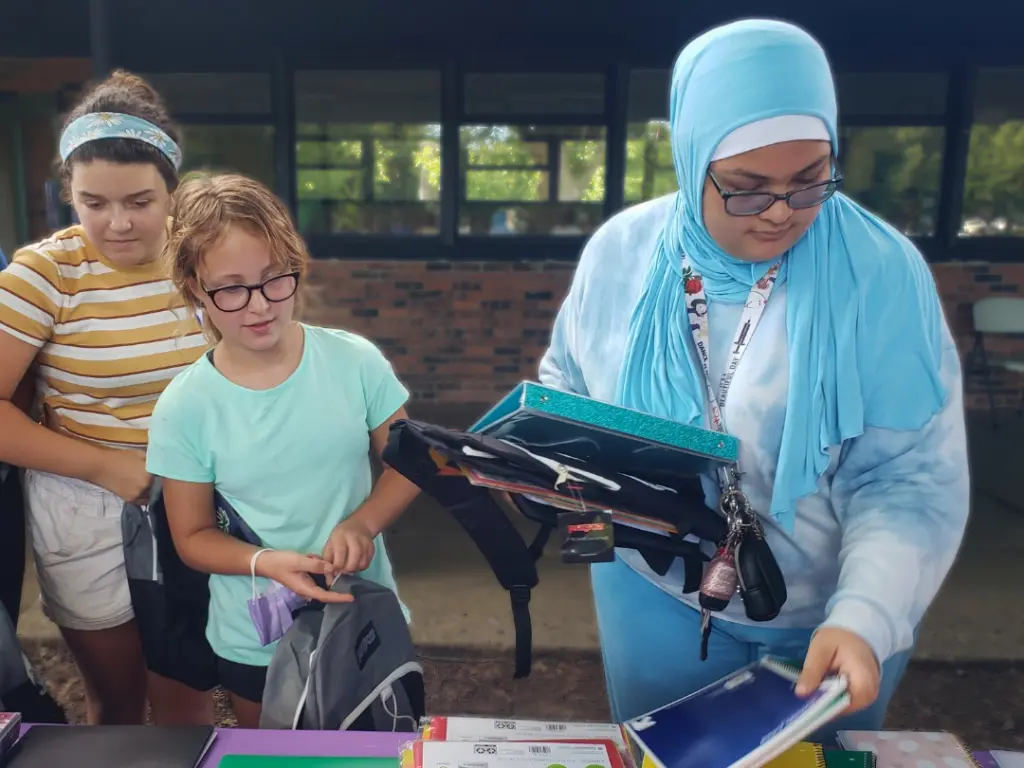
point(350, 547)
point(291, 569)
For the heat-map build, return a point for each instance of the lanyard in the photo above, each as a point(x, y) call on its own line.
point(697, 313)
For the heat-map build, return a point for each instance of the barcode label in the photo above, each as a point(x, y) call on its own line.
point(538, 750)
point(556, 727)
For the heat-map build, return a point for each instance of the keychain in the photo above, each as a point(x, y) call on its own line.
point(721, 579)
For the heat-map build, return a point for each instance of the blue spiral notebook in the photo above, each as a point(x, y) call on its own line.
point(742, 721)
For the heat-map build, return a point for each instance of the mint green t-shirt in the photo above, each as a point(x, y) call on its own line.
point(292, 460)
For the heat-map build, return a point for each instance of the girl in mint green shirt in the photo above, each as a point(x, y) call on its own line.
point(278, 417)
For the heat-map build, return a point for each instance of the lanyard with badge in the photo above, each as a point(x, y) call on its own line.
point(743, 561)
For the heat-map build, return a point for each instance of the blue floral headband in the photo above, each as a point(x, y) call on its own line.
point(114, 125)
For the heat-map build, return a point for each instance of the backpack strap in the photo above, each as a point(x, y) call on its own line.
point(511, 560)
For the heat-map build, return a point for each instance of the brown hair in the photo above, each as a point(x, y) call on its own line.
point(131, 95)
point(205, 207)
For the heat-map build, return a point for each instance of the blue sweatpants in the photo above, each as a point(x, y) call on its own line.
point(650, 643)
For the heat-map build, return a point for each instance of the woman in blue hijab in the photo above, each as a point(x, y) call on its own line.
point(761, 301)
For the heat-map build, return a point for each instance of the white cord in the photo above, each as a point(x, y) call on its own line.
point(385, 695)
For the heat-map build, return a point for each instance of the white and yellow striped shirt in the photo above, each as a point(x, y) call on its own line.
point(109, 338)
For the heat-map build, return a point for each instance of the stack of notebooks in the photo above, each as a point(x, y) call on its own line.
point(746, 719)
point(751, 718)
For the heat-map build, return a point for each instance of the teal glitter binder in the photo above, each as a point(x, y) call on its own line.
point(603, 434)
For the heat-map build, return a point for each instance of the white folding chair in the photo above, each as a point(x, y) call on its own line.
point(997, 314)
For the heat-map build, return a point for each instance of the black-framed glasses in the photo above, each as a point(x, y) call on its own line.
point(232, 298)
point(753, 203)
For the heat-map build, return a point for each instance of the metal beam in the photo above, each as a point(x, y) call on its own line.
point(99, 38)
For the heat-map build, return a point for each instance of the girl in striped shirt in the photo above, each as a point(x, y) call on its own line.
point(90, 316)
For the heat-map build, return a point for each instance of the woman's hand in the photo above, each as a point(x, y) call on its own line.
point(291, 569)
point(349, 548)
point(841, 651)
point(123, 473)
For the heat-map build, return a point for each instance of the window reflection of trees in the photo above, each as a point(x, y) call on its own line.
point(994, 184)
point(532, 180)
point(895, 171)
point(369, 178)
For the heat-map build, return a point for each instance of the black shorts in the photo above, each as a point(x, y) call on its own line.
point(243, 680)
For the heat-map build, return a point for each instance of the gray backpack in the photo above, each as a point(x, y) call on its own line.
point(346, 666)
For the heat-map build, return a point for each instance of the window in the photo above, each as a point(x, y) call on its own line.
point(993, 203)
point(213, 93)
point(912, 96)
point(531, 180)
point(895, 172)
point(535, 93)
point(368, 152)
point(649, 169)
point(519, 175)
point(891, 144)
point(226, 120)
point(247, 149)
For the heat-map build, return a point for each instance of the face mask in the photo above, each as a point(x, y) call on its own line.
point(271, 612)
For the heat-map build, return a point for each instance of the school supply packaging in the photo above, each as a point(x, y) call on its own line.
point(909, 749)
point(305, 761)
point(743, 720)
point(441, 728)
point(510, 754)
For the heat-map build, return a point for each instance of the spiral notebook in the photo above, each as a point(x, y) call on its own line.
point(807, 755)
point(910, 749)
point(742, 721)
point(802, 755)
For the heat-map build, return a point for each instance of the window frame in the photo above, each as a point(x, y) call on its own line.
point(988, 248)
point(448, 246)
point(357, 245)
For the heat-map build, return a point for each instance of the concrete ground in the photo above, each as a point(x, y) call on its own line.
point(456, 601)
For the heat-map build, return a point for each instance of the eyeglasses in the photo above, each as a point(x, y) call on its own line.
point(753, 203)
point(232, 298)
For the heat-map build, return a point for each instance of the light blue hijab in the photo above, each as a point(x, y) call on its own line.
point(863, 318)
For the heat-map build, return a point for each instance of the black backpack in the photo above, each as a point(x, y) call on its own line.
point(171, 600)
point(430, 457)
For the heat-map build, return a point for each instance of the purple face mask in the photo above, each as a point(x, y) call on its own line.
point(271, 612)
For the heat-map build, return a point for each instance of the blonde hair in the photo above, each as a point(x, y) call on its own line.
point(204, 208)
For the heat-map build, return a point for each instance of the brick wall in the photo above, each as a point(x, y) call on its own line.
point(459, 333)
point(465, 333)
